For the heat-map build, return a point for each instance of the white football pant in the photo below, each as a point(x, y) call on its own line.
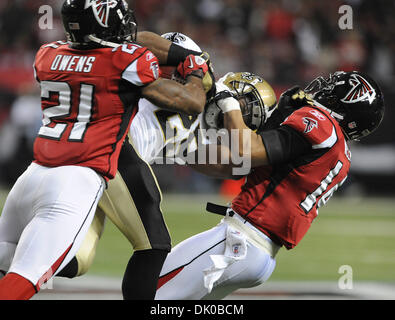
point(213, 264)
point(45, 218)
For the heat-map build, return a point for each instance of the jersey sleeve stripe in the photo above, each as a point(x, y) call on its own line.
point(328, 143)
point(130, 74)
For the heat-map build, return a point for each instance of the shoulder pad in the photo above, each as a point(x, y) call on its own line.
point(138, 64)
point(315, 125)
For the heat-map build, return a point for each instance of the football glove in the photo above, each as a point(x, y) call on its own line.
point(289, 101)
point(193, 66)
point(295, 98)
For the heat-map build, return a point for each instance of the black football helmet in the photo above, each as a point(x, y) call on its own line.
point(103, 22)
point(353, 99)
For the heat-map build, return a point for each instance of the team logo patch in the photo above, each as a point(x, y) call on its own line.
point(155, 69)
point(361, 90)
point(310, 124)
point(101, 10)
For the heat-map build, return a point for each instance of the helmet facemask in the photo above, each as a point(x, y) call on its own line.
point(128, 30)
point(322, 93)
point(352, 98)
point(256, 97)
point(254, 111)
point(251, 104)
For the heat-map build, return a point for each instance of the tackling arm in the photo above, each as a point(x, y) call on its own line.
point(167, 94)
point(278, 144)
point(158, 45)
point(217, 169)
point(269, 147)
point(249, 143)
point(166, 51)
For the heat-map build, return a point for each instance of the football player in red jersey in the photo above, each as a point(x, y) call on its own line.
point(90, 86)
point(298, 161)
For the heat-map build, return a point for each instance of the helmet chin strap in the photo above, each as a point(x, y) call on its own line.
point(102, 42)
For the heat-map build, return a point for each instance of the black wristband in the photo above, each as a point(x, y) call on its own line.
point(178, 54)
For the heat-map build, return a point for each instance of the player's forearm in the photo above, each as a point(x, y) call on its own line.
point(233, 121)
point(249, 143)
point(155, 43)
point(167, 94)
point(217, 162)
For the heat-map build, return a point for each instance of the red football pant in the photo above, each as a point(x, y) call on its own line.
point(15, 287)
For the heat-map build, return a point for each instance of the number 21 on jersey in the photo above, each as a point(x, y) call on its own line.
point(56, 118)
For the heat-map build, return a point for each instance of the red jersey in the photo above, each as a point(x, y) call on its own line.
point(88, 100)
point(282, 200)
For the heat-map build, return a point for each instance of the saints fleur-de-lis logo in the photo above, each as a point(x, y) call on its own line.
point(101, 10)
point(361, 90)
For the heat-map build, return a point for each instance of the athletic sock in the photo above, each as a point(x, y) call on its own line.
point(142, 273)
point(15, 287)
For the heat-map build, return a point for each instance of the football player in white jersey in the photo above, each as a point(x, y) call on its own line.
point(157, 134)
point(132, 201)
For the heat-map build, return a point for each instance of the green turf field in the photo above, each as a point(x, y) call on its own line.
point(355, 232)
point(358, 233)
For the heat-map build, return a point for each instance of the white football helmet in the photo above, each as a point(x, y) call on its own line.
point(184, 41)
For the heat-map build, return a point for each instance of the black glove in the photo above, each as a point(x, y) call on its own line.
point(294, 98)
point(289, 101)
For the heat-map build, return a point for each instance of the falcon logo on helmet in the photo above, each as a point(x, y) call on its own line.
point(101, 10)
point(354, 99)
point(106, 23)
point(361, 90)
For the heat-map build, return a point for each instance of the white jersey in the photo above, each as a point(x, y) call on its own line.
point(161, 136)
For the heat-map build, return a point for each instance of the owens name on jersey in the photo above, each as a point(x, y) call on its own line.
point(89, 98)
point(282, 200)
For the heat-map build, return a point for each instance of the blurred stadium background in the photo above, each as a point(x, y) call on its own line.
point(287, 42)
